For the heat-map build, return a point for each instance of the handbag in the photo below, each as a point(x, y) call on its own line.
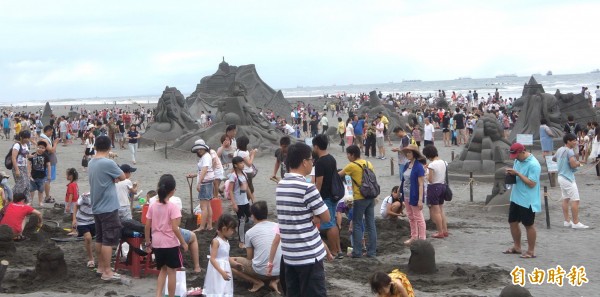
point(254, 172)
point(448, 192)
point(180, 284)
point(84, 161)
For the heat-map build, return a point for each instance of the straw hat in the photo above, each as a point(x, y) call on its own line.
point(415, 150)
point(198, 145)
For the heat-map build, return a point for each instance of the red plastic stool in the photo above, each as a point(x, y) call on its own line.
point(134, 262)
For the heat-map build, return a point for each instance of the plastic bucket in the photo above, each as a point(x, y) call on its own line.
point(215, 204)
point(144, 212)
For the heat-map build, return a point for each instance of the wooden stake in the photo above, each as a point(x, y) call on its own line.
point(392, 166)
point(546, 206)
point(3, 267)
point(166, 150)
point(471, 185)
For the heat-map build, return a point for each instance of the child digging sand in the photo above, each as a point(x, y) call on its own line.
point(394, 284)
point(83, 223)
point(163, 220)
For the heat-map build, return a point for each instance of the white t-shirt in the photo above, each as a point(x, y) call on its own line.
point(324, 121)
point(439, 172)
point(63, 126)
point(349, 129)
point(244, 155)
point(379, 129)
point(597, 94)
point(384, 204)
point(428, 135)
point(289, 129)
point(206, 161)
point(260, 237)
point(22, 155)
point(174, 199)
point(123, 188)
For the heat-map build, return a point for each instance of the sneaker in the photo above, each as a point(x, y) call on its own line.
point(567, 224)
point(382, 158)
point(579, 226)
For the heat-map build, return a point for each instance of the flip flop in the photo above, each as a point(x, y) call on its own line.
point(511, 251)
point(194, 291)
point(90, 264)
point(527, 256)
point(115, 276)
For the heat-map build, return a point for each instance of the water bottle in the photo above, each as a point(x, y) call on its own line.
point(349, 185)
point(137, 234)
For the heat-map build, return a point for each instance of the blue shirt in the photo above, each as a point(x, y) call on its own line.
point(102, 174)
point(521, 193)
point(358, 127)
point(563, 155)
point(417, 171)
point(6, 123)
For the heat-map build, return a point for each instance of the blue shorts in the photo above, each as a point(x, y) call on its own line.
point(331, 207)
point(206, 191)
point(186, 234)
point(37, 184)
point(52, 172)
point(82, 229)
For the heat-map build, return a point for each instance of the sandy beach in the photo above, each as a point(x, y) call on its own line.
point(470, 261)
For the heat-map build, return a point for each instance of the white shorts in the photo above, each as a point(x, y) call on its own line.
point(568, 189)
point(219, 174)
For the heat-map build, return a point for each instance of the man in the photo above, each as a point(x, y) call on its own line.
point(597, 96)
point(362, 207)
point(428, 134)
point(571, 126)
point(314, 126)
point(103, 172)
point(121, 133)
point(298, 202)
point(358, 125)
point(567, 166)
point(524, 199)
point(51, 150)
point(404, 142)
point(112, 130)
point(379, 135)
point(459, 122)
point(280, 157)
point(496, 95)
point(62, 125)
point(258, 242)
point(325, 168)
point(287, 128)
point(324, 123)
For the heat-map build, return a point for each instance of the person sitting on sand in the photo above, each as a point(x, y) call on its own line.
point(394, 284)
point(15, 213)
point(392, 206)
point(258, 245)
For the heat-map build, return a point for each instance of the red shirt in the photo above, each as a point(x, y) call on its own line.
point(72, 188)
point(14, 216)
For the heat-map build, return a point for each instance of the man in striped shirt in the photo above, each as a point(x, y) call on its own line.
point(298, 203)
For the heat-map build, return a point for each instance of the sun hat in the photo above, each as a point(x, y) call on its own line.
point(515, 149)
point(415, 149)
point(198, 145)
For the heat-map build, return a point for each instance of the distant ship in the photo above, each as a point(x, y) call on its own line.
point(463, 77)
point(549, 72)
point(506, 75)
point(595, 71)
point(411, 80)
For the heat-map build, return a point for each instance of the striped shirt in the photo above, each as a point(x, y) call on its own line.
point(297, 203)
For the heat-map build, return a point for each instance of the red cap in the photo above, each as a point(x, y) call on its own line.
point(515, 149)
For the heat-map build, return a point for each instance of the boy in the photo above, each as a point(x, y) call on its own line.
point(124, 189)
point(83, 221)
point(280, 157)
point(15, 213)
point(40, 165)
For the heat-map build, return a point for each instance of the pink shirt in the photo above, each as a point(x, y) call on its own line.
point(162, 230)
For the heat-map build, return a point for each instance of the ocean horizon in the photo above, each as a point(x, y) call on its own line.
point(508, 86)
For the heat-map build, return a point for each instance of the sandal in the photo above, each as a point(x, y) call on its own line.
point(19, 238)
point(527, 256)
point(115, 276)
point(510, 251)
point(90, 264)
point(438, 235)
point(194, 291)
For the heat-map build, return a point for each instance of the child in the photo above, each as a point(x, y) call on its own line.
point(391, 207)
point(394, 284)
point(72, 190)
point(83, 223)
point(163, 219)
point(124, 189)
point(15, 213)
point(345, 207)
point(40, 165)
point(90, 141)
point(218, 281)
point(4, 185)
point(240, 194)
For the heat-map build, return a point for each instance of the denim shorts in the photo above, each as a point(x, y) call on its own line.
point(37, 184)
point(186, 234)
point(331, 207)
point(206, 191)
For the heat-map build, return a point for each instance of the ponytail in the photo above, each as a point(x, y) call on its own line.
point(166, 184)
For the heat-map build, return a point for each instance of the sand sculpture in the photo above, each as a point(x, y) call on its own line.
point(515, 291)
point(7, 245)
point(577, 106)
point(232, 95)
point(51, 262)
point(47, 114)
point(372, 107)
point(422, 257)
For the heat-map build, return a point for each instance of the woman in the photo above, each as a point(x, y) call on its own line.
point(341, 130)
point(248, 156)
point(546, 136)
point(132, 136)
point(446, 128)
point(595, 154)
point(21, 170)
point(349, 132)
point(436, 190)
point(412, 188)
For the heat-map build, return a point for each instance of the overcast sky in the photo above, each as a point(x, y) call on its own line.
point(71, 49)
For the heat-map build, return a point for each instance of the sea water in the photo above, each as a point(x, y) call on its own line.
point(507, 86)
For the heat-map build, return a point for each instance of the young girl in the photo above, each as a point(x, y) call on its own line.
point(391, 207)
point(394, 284)
point(72, 190)
point(90, 141)
point(218, 281)
point(163, 219)
point(239, 192)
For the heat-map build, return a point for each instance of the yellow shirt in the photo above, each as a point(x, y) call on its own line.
point(341, 127)
point(397, 274)
point(17, 128)
point(356, 174)
point(385, 121)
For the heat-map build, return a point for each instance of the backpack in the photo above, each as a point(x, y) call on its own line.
point(8, 159)
point(337, 187)
point(369, 188)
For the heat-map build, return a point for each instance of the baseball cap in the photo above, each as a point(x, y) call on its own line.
point(515, 149)
point(126, 168)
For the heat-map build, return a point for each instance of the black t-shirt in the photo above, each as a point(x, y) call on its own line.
point(446, 122)
point(325, 166)
point(121, 126)
point(459, 119)
point(314, 124)
point(282, 158)
point(38, 165)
